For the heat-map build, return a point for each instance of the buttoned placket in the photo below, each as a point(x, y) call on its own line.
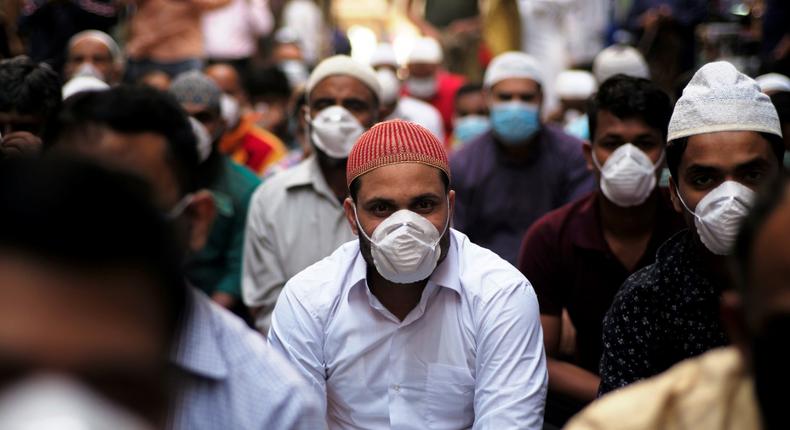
point(398, 387)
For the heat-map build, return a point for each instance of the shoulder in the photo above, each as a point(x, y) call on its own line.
point(320, 286)
point(471, 153)
point(241, 179)
point(554, 223)
point(484, 275)
point(562, 141)
point(689, 388)
point(272, 192)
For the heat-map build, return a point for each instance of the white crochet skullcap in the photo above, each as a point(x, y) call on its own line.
point(618, 59)
point(100, 36)
point(511, 65)
point(773, 82)
point(425, 50)
point(344, 65)
point(384, 55)
point(79, 84)
point(575, 84)
point(720, 98)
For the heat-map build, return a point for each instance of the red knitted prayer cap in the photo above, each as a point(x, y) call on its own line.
point(392, 142)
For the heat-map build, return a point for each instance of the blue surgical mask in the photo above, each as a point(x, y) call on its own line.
point(515, 122)
point(470, 126)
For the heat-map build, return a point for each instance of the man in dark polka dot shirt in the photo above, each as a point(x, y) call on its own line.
point(724, 142)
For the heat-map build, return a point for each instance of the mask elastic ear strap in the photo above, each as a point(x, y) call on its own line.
point(359, 226)
point(682, 202)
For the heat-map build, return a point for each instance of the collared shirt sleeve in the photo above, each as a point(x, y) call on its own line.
point(629, 337)
point(262, 272)
point(511, 376)
point(297, 333)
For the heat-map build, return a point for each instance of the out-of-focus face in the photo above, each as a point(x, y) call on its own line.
point(287, 52)
point(422, 70)
point(45, 326)
point(19, 134)
point(525, 90)
point(471, 104)
point(211, 119)
point(227, 79)
point(612, 132)
point(90, 51)
point(347, 92)
point(712, 158)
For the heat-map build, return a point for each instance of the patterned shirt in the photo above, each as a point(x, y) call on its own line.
point(229, 378)
point(663, 314)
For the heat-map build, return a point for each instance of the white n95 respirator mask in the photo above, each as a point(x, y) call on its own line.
point(718, 216)
point(405, 246)
point(334, 131)
point(628, 176)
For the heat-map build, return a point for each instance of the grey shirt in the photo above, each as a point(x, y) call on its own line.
point(498, 199)
point(294, 221)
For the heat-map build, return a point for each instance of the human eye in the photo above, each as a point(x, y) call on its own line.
point(379, 209)
point(425, 205)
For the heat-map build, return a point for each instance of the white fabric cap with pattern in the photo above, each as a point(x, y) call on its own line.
point(575, 84)
point(426, 50)
point(383, 55)
point(620, 59)
point(773, 82)
point(720, 98)
point(344, 65)
point(512, 65)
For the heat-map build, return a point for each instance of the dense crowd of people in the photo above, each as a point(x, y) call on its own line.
point(214, 214)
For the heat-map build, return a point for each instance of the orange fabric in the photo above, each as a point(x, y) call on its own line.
point(252, 146)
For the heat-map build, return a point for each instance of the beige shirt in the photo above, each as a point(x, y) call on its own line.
point(294, 221)
point(712, 391)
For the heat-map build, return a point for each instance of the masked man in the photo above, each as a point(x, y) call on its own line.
point(725, 140)
point(296, 217)
point(412, 325)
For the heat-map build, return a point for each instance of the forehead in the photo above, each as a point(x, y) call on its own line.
point(401, 181)
point(341, 87)
point(473, 99)
point(609, 123)
point(725, 149)
point(515, 85)
point(67, 318)
point(89, 46)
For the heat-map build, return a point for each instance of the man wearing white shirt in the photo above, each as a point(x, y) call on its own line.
point(412, 326)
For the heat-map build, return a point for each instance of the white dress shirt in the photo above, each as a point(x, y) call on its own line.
point(417, 111)
point(294, 220)
point(469, 355)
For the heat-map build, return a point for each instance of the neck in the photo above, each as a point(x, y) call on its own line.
point(334, 172)
point(633, 221)
point(400, 299)
point(521, 151)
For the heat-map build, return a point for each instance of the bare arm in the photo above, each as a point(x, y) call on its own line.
point(564, 377)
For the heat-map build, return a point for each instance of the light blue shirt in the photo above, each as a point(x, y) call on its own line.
point(232, 379)
point(469, 355)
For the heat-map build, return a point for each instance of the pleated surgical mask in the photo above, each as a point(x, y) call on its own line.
point(628, 176)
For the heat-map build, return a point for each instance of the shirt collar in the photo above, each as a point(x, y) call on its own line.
point(445, 274)
point(198, 350)
point(308, 173)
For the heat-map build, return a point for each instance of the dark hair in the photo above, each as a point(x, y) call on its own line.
point(467, 89)
point(75, 214)
point(677, 147)
point(767, 202)
point(628, 97)
point(353, 189)
point(134, 109)
point(29, 88)
point(266, 81)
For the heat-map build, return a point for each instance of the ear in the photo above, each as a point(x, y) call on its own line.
point(201, 212)
point(348, 208)
point(305, 114)
point(451, 199)
point(673, 195)
point(732, 317)
point(587, 150)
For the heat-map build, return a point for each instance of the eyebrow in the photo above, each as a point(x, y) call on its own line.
point(390, 202)
point(756, 163)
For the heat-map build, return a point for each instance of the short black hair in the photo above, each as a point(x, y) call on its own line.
point(134, 109)
point(353, 189)
point(629, 97)
point(465, 89)
point(72, 213)
point(677, 147)
point(266, 81)
point(767, 202)
point(29, 88)
point(781, 101)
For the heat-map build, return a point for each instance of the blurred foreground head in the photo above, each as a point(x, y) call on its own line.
point(89, 282)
